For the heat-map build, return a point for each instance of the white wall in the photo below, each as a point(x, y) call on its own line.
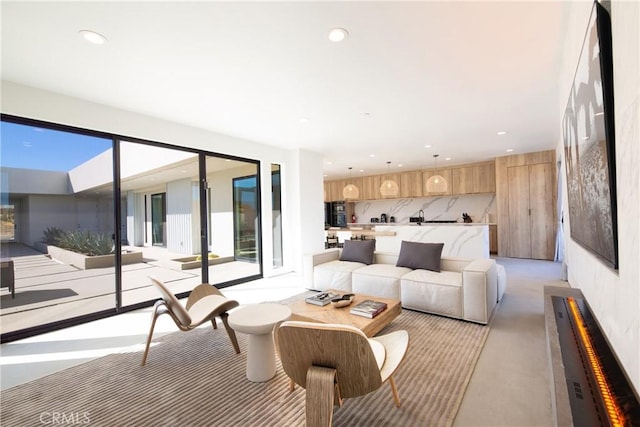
point(308, 233)
point(614, 296)
point(24, 101)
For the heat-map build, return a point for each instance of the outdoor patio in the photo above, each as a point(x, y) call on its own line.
point(47, 290)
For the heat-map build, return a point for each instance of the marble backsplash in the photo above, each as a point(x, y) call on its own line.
point(481, 208)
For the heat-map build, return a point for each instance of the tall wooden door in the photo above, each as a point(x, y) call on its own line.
point(542, 198)
point(532, 211)
point(519, 214)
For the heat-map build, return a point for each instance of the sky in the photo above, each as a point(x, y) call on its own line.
point(29, 147)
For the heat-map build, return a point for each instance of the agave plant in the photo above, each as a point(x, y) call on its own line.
point(87, 243)
point(52, 235)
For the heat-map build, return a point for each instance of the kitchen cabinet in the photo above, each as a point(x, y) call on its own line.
point(532, 211)
point(470, 179)
point(473, 179)
point(493, 238)
point(393, 177)
point(462, 180)
point(370, 188)
point(484, 178)
point(411, 184)
point(445, 173)
point(333, 189)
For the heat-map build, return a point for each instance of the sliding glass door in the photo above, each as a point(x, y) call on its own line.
point(245, 214)
point(181, 215)
point(57, 225)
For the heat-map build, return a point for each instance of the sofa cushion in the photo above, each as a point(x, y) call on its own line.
point(334, 275)
point(381, 280)
point(438, 293)
point(358, 251)
point(416, 255)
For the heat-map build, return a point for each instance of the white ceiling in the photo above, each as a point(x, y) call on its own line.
point(447, 74)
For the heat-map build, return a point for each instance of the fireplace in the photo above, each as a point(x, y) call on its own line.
point(589, 386)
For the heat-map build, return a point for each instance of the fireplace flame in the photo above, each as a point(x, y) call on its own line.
point(613, 410)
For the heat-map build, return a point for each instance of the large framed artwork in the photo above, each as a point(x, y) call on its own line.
point(589, 144)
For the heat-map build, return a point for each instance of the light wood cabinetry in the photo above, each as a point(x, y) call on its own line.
point(484, 178)
point(393, 177)
point(480, 178)
point(469, 179)
point(462, 180)
point(526, 205)
point(412, 184)
point(370, 187)
point(445, 173)
point(493, 238)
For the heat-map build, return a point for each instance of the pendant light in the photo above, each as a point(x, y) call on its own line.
point(350, 191)
point(436, 183)
point(389, 187)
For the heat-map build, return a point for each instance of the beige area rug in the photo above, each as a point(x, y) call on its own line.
point(196, 379)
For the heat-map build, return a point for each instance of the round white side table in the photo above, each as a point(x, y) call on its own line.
point(258, 321)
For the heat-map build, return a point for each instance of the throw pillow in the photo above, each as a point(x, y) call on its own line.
point(358, 251)
point(425, 256)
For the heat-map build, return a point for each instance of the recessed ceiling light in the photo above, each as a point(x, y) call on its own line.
point(400, 165)
point(338, 34)
point(361, 170)
point(92, 37)
point(502, 132)
point(427, 146)
point(372, 155)
point(447, 158)
point(303, 120)
point(509, 150)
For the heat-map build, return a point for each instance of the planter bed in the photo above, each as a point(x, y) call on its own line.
point(194, 261)
point(86, 262)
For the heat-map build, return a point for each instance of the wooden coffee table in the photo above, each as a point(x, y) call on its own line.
point(303, 311)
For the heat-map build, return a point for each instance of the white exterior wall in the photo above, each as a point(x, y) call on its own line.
point(614, 295)
point(30, 181)
point(180, 220)
point(67, 212)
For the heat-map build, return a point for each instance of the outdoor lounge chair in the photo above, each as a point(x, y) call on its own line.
point(334, 361)
point(204, 303)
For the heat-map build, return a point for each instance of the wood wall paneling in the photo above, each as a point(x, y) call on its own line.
point(502, 205)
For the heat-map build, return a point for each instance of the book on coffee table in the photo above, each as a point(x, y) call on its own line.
point(368, 308)
point(322, 298)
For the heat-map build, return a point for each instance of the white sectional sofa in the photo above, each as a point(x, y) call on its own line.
point(465, 289)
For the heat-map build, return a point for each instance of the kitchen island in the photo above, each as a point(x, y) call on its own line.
point(460, 239)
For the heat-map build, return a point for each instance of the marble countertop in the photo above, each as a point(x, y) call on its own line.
point(414, 224)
